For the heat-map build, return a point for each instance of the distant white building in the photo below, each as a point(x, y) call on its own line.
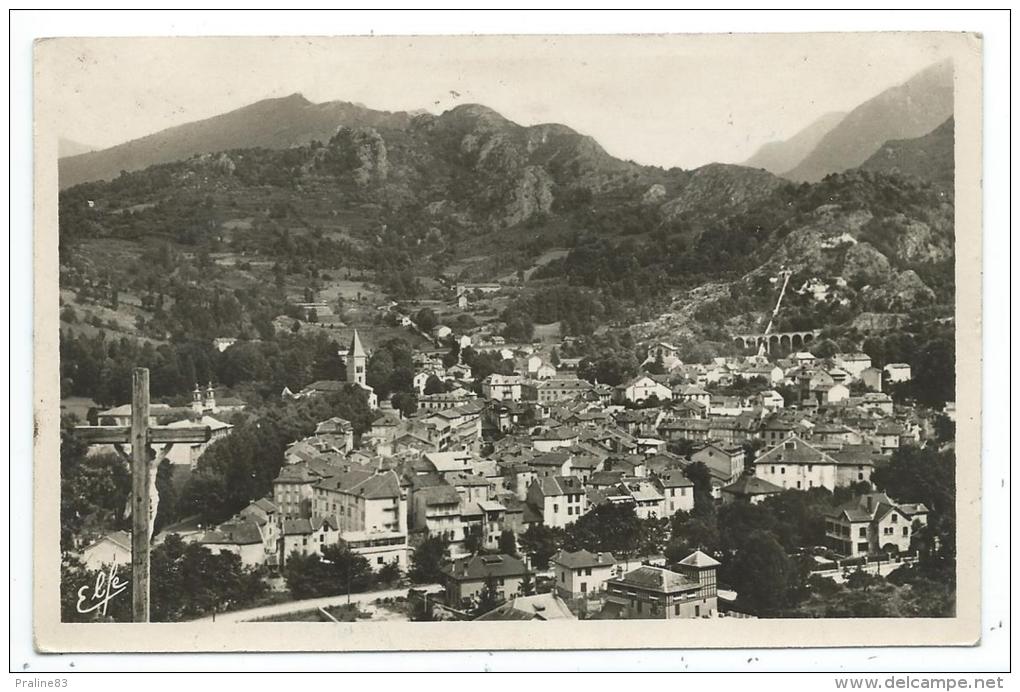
point(898, 372)
point(223, 343)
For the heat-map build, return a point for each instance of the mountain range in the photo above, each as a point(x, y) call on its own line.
point(833, 143)
point(909, 110)
point(929, 157)
point(471, 195)
point(278, 123)
point(779, 157)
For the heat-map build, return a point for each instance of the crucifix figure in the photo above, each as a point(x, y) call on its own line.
point(141, 436)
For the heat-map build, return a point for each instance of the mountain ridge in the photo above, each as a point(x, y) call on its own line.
point(906, 111)
point(781, 156)
point(929, 157)
point(276, 123)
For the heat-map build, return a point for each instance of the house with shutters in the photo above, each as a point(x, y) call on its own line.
point(796, 464)
point(560, 499)
point(647, 497)
point(362, 499)
point(581, 573)
point(437, 508)
point(677, 491)
point(873, 524)
point(307, 536)
point(254, 543)
point(725, 459)
point(658, 593)
point(642, 388)
point(749, 488)
point(465, 577)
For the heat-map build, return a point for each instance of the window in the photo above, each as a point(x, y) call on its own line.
point(380, 561)
point(697, 611)
point(773, 469)
point(782, 470)
point(556, 508)
point(587, 572)
point(860, 476)
point(798, 485)
point(906, 530)
point(676, 609)
point(570, 511)
point(584, 587)
point(894, 519)
point(810, 468)
point(863, 532)
point(862, 547)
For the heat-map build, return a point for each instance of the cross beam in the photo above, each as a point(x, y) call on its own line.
point(140, 435)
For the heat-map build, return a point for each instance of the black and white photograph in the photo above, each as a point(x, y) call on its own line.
point(477, 339)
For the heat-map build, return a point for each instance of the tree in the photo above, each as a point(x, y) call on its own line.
point(760, 573)
point(473, 539)
point(945, 429)
point(609, 528)
point(74, 576)
point(488, 598)
point(389, 574)
point(434, 385)
point(425, 319)
point(93, 489)
point(427, 561)
point(187, 581)
point(527, 585)
point(657, 366)
point(405, 402)
point(508, 542)
point(654, 535)
point(923, 474)
point(540, 542)
point(699, 474)
point(690, 533)
point(338, 571)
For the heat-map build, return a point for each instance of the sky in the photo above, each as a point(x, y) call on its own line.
point(676, 100)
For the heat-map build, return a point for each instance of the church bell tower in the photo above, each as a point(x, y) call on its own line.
point(356, 362)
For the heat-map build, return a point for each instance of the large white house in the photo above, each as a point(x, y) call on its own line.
point(641, 388)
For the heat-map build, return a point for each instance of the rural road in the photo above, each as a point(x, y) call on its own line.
point(310, 604)
point(881, 570)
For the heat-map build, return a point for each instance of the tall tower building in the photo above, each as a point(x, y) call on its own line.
point(356, 362)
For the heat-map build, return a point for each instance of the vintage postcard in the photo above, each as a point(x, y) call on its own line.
point(507, 342)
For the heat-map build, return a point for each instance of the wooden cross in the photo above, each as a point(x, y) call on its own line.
point(140, 435)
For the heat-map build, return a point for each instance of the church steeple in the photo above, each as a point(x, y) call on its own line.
point(356, 361)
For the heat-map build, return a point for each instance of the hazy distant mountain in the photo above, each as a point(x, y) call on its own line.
point(273, 123)
point(69, 147)
point(929, 157)
point(909, 110)
point(779, 157)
